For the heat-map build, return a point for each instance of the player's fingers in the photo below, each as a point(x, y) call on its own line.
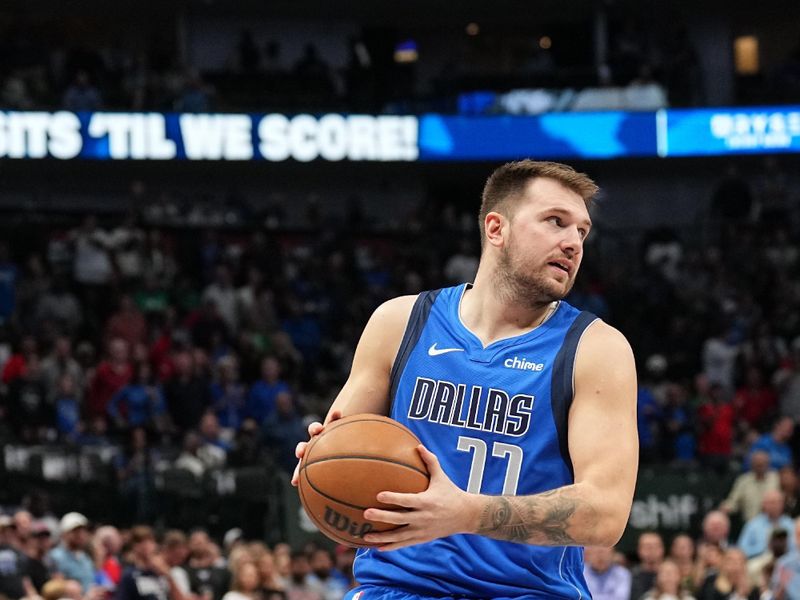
point(386, 516)
point(334, 416)
point(314, 428)
point(398, 499)
point(430, 459)
point(300, 449)
point(401, 535)
point(296, 475)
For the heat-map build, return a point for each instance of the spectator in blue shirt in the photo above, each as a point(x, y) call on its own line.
point(140, 403)
point(8, 285)
point(606, 580)
point(754, 538)
point(786, 575)
point(67, 409)
point(228, 394)
point(776, 444)
point(283, 430)
point(70, 557)
point(261, 399)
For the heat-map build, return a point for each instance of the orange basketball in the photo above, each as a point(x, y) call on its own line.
point(345, 467)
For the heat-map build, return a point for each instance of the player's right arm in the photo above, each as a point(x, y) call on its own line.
point(367, 387)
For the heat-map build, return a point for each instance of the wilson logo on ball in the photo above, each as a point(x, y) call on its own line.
point(343, 523)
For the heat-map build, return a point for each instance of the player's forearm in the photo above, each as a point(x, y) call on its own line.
point(568, 516)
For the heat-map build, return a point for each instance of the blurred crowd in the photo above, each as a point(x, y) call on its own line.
point(219, 345)
point(385, 69)
point(46, 558)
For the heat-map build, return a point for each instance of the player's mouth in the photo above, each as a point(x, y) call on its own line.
point(559, 265)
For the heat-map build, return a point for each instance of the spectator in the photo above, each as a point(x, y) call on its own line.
point(776, 443)
point(271, 584)
point(650, 550)
point(211, 434)
point(197, 457)
point(223, 295)
point(9, 273)
point(135, 474)
point(107, 544)
point(58, 363)
point(790, 486)
point(755, 402)
point(756, 566)
point(248, 449)
point(321, 576)
point(748, 490)
point(667, 584)
point(37, 551)
point(785, 582)
point(787, 383)
point(128, 323)
point(261, 399)
point(111, 376)
point(58, 309)
point(284, 430)
point(606, 581)
point(140, 403)
point(716, 528)
point(30, 413)
point(187, 392)
point(228, 394)
point(681, 552)
point(715, 439)
point(15, 565)
point(245, 584)
point(732, 582)
point(176, 552)
point(208, 580)
point(719, 358)
point(82, 95)
point(148, 578)
point(68, 410)
point(299, 587)
point(70, 557)
point(17, 362)
point(92, 267)
point(755, 534)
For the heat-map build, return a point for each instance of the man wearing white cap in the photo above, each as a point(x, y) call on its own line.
point(70, 558)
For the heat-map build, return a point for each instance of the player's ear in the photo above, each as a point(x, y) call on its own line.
point(493, 225)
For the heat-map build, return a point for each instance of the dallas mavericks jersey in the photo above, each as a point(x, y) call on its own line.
point(496, 417)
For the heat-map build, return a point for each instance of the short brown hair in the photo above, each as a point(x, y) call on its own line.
point(140, 533)
point(508, 182)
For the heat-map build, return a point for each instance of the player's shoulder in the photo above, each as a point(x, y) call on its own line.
point(398, 308)
point(602, 343)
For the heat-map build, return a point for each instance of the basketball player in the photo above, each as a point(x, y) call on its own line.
point(525, 407)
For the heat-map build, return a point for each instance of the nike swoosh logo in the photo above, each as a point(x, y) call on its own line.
point(434, 351)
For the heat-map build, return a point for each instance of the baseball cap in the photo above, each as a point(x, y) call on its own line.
point(73, 520)
point(40, 528)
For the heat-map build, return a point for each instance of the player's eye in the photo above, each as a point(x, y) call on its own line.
point(555, 220)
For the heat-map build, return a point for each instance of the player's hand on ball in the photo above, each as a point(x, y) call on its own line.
point(314, 428)
point(441, 510)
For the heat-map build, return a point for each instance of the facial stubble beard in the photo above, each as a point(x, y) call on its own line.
point(518, 287)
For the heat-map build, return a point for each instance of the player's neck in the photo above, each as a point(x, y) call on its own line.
point(492, 315)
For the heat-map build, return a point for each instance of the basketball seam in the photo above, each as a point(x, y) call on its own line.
point(321, 493)
point(322, 527)
point(366, 457)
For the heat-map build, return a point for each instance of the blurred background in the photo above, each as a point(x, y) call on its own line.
point(203, 201)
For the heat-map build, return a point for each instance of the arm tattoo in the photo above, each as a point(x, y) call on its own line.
point(541, 519)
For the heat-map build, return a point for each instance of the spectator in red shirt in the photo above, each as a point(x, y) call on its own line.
point(715, 438)
point(755, 402)
point(111, 375)
point(107, 544)
point(16, 363)
point(127, 323)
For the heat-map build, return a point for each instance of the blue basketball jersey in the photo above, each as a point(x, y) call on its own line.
point(496, 417)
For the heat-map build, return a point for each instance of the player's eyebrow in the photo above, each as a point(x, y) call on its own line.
point(564, 211)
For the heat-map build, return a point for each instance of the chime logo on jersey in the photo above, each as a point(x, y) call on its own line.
point(447, 403)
